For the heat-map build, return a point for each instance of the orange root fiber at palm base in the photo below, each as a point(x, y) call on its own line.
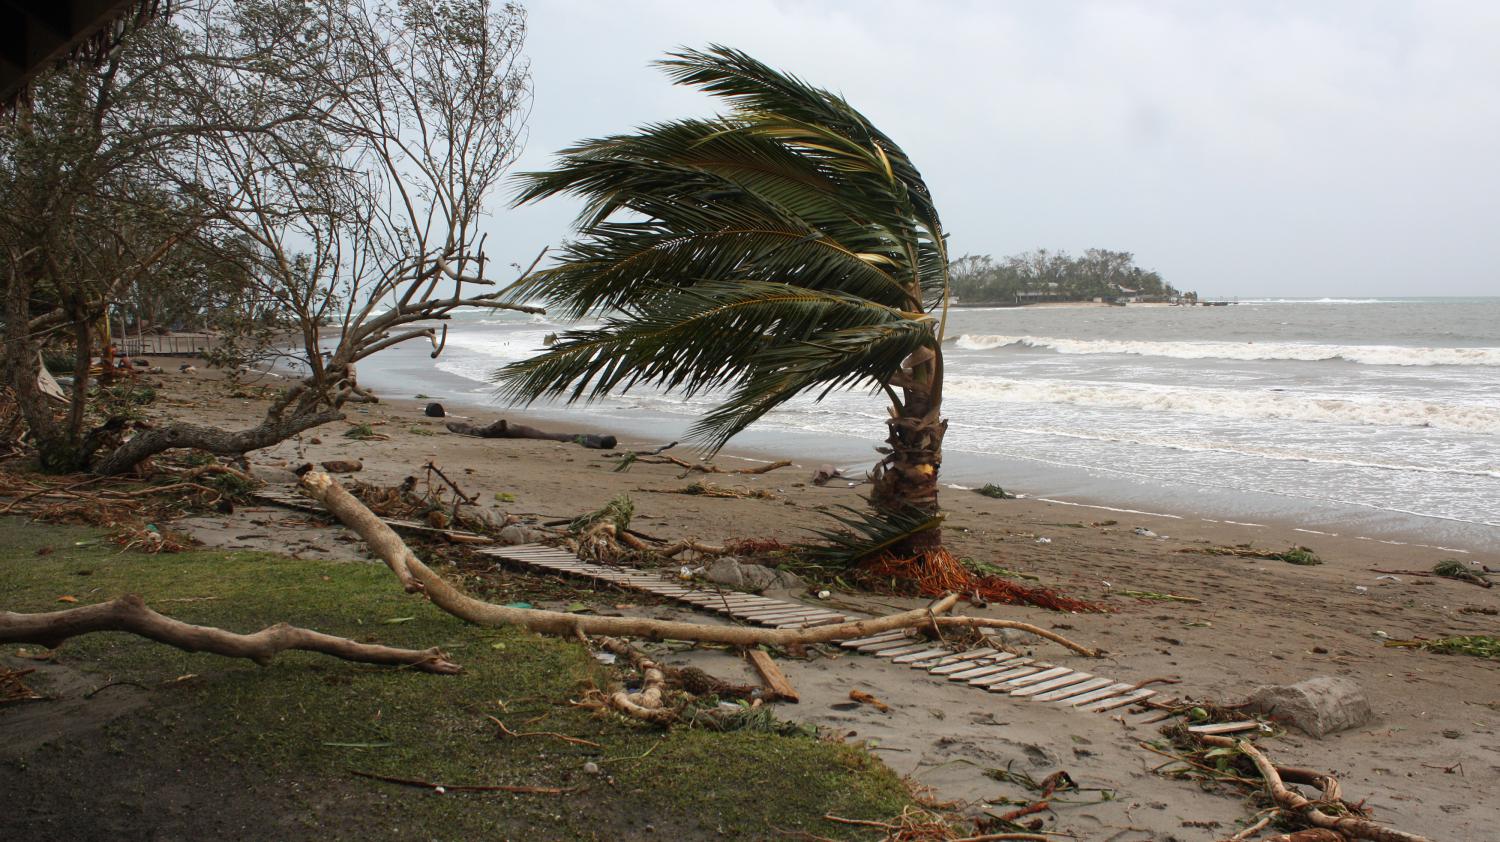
point(937, 572)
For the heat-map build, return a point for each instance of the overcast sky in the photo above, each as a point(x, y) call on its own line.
point(1242, 149)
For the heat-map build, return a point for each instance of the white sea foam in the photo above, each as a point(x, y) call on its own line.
point(1363, 354)
point(1225, 403)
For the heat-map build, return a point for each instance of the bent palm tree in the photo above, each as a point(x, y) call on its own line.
point(786, 247)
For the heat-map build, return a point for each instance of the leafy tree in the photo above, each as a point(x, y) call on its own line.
point(786, 247)
point(318, 166)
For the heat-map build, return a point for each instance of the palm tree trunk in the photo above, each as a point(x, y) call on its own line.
point(906, 481)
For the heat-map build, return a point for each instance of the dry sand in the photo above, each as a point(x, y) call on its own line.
point(1258, 622)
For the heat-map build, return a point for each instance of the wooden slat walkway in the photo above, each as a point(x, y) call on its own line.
point(983, 668)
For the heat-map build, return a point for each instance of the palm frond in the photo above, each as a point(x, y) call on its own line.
point(785, 247)
point(863, 534)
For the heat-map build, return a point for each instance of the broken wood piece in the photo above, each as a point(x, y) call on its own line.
point(503, 429)
point(1225, 727)
point(777, 686)
point(866, 699)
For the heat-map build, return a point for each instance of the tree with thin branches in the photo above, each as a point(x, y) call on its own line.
point(785, 247)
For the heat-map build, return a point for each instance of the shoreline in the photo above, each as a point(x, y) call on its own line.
point(1062, 485)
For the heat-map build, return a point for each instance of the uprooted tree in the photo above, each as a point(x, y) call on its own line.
point(787, 247)
point(320, 169)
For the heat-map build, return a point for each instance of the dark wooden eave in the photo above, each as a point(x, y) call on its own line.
point(35, 34)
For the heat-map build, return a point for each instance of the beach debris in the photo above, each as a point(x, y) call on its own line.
point(863, 545)
point(12, 689)
point(630, 458)
point(994, 491)
point(1477, 645)
point(416, 576)
point(708, 489)
point(434, 410)
point(824, 473)
point(1316, 706)
point(363, 431)
point(1044, 540)
point(824, 594)
point(1299, 555)
point(187, 368)
point(503, 429)
point(129, 613)
point(342, 466)
point(777, 686)
point(1143, 532)
point(1157, 597)
point(733, 573)
point(1238, 762)
point(866, 699)
point(1452, 568)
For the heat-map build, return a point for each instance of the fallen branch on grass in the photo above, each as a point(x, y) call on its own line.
point(519, 790)
point(129, 614)
point(564, 737)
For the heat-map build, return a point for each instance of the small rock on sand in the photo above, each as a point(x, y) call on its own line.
point(1316, 706)
point(732, 573)
point(343, 466)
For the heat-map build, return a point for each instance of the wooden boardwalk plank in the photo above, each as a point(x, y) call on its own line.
point(1052, 684)
point(1119, 701)
point(872, 648)
point(916, 657)
point(1045, 674)
point(889, 635)
point(995, 683)
point(1071, 690)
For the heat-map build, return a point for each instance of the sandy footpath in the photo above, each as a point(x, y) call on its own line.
point(1257, 622)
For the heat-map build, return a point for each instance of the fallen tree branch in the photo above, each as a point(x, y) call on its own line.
point(409, 569)
point(1296, 803)
point(705, 468)
point(129, 613)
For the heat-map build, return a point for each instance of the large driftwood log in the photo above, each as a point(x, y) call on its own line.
point(415, 575)
point(503, 429)
point(130, 614)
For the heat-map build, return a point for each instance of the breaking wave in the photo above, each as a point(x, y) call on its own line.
point(1251, 405)
point(1362, 354)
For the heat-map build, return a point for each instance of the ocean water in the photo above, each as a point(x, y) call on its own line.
point(1380, 415)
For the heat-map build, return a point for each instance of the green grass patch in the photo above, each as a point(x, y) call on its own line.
point(301, 724)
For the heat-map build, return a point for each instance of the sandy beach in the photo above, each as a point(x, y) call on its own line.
point(1252, 622)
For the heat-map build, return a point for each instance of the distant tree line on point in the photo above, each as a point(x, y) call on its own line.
point(1043, 275)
